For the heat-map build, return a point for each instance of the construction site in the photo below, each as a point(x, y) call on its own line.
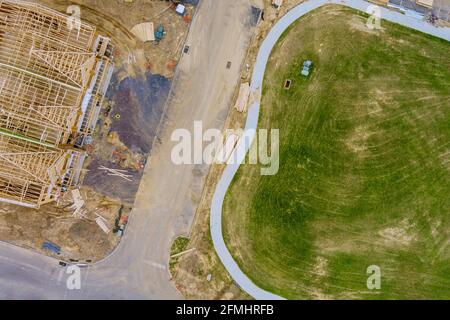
point(53, 81)
point(82, 92)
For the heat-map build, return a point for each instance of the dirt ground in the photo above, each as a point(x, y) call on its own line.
point(124, 135)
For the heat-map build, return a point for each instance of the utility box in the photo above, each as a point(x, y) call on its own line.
point(277, 4)
point(181, 9)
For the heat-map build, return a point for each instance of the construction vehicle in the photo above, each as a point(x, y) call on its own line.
point(160, 33)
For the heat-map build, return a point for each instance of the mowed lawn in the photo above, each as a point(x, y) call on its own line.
point(364, 173)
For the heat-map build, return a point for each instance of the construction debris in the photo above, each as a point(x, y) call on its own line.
point(77, 198)
point(101, 223)
point(144, 31)
point(183, 253)
point(117, 172)
point(78, 204)
point(242, 100)
point(426, 3)
point(47, 245)
point(277, 4)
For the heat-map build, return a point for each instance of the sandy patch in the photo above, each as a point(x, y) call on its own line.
point(357, 142)
point(321, 266)
point(398, 235)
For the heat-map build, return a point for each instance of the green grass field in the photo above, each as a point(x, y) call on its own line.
point(364, 173)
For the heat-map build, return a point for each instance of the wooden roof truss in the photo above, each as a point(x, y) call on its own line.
point(46, 70)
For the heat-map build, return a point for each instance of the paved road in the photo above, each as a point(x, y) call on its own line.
point(169, 194)
point(252, 122)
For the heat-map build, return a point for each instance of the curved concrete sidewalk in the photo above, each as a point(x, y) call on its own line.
point(252, 122)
